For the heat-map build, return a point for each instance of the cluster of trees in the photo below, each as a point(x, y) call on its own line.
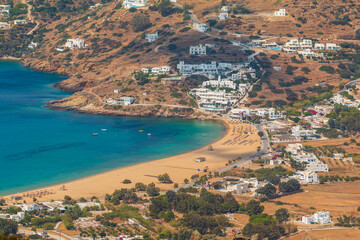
point(292, 185)
point(142, 78)
point(164, 178)
point(207, 204)
point(337, 178)
point(8, 227)
point(140, 22)
point(344, 118)
point(348, 221)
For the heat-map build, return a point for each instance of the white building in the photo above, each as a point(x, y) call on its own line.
point(152, 37)
point(306, 44)
point(238, 188)
point(280, 13)
point(270, 113)
point(216, 100)
point(219, 83)
point(309, 53)
point(306, 158)
point(30, 207)
point(33, 45)
point(317, 167)
point(203, 68)
point(60, 48)
point(55, 205)
point(223, 16)
point(306, 177)
point(319, 46)
point(83, 205)
point(134, 3)
point(4, 25)
point(5, 10)
point(299, 131)
point(20, 22)
point(201, 27)
point(294, 149)
point(225, 9)
point(244, 88)
point(198, 50)
point(120, 101)
point(321, 217)
point(293, 44)
point(75, 43)
point(332, 46)
point(14, 217)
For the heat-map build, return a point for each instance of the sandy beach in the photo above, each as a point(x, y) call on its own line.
point(239, 140)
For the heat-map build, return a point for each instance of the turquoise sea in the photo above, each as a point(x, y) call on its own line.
point(41, 147)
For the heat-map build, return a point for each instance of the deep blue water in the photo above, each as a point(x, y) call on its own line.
point(40, 147)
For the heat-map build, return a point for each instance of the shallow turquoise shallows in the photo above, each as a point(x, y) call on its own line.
point(41, 147)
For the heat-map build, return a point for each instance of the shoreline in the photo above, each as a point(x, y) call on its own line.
point(179, 167)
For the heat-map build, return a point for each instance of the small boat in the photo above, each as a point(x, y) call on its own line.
point(149, 134)
point(95, 134)
point(104, 129)
point(141, 130)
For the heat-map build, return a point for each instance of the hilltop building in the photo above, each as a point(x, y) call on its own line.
point(280, 13)
point(198, 50)
point(152, 37)
point(75, 43)
point(201, 27)
point(321, 217)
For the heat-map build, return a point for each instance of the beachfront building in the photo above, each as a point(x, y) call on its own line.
point(198, 50)
point(4, 25)
point(321, 217)
point(270, 113)
point(55, 205)
point(284, 138)
point(223, 16)
point(317, 167)
point(280, 13)
point(120, 101)
point(20, 22)
point(83, 205)
point(306, 177)
point(134, 3)
point(201, 27)
point(30, 207)
point(75, 43)
point(152, 37)
point(216, 100)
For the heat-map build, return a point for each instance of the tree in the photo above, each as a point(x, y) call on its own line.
point(268, 190)
point(125, 195)
point(230, 204)
point(152, 191)
point(8, 227)
point(140, 22)
point(165, 8)
point(282, 215)
point(164, 178)
point(140, 186)
point(290, 186)
point(253, 207)
point(186, 181)
point(169, 216)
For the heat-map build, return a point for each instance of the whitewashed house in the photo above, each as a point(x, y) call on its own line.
point(280, 13)
point(201, 27)
point(4, 25)
point(294, 149)
point(225, 9)
point(134, 3)
point(75, 43)
point(317, 167)
point(198, 50)
point(223, 16)
point(5, 10)
point(120, 101)
point(321, 217)
point(293, 44)
point(309, 53)
point(299, 131)
point(306, 44)
point(152, 37)
point(145, 70)
point(20, 22)
point(238, 188)
point(306, 177)
point(33, 45)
